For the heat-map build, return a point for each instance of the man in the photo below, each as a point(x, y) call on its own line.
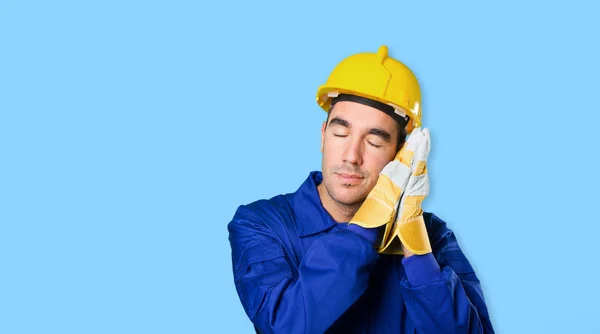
point(351, 251)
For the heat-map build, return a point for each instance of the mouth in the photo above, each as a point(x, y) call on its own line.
point(349, 178)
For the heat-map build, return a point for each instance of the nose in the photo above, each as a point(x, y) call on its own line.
point(353, 151)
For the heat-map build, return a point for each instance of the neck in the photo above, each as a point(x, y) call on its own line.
point(341, 213)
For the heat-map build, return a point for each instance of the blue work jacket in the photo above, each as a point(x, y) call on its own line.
point(296, 270)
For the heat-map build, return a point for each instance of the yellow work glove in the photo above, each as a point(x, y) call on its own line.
point(410, 226)
point(380, 206)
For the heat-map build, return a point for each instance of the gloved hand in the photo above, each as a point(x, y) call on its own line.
point(380, 206)
point(410, 226)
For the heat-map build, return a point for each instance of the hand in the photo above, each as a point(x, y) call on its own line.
point(380, 206)
point(410, 226)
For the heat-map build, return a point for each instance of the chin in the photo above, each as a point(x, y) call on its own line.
point(348, 196)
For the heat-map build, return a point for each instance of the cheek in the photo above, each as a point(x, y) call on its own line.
point(377, 161)
point(331, 149)
point(327, 155)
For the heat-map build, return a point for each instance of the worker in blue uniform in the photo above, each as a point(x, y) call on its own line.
point(351, 251)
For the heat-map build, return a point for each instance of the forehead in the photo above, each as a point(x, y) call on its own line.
point(360, 115)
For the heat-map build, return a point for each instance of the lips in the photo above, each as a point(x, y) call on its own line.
point(349, 178)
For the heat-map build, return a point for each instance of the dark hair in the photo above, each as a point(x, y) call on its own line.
point(401, 132)
point(401, 136)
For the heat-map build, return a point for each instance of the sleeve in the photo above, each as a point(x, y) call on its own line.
point(442, 293)
point(333, 273)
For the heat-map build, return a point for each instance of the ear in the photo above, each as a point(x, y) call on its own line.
point(323, 134)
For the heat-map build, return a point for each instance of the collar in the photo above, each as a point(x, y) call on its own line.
point(311, 216)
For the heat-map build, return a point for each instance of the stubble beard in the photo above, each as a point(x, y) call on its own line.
point(349, 205)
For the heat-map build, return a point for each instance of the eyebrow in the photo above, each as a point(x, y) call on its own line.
point(381, 133)
point(373, 131)
point(339, 121)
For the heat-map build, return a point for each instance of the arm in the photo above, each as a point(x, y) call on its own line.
point(331, 276)
point(443, 293)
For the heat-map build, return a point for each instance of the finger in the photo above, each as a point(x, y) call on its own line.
point(419, 164)
point(427, 137)
point(407, 152)
point(417, 185)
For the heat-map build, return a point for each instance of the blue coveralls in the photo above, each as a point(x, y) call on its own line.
point(296, 270)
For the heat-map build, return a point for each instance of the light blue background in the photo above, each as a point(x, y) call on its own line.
point(131, 131)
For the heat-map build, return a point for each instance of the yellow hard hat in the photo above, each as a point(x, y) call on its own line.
point(377, 77)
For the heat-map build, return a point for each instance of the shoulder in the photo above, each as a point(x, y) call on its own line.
point(444, 244)
point(437, 228)
point(263, 213)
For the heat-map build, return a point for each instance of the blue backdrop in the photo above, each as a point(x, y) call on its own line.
point(130, 131)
